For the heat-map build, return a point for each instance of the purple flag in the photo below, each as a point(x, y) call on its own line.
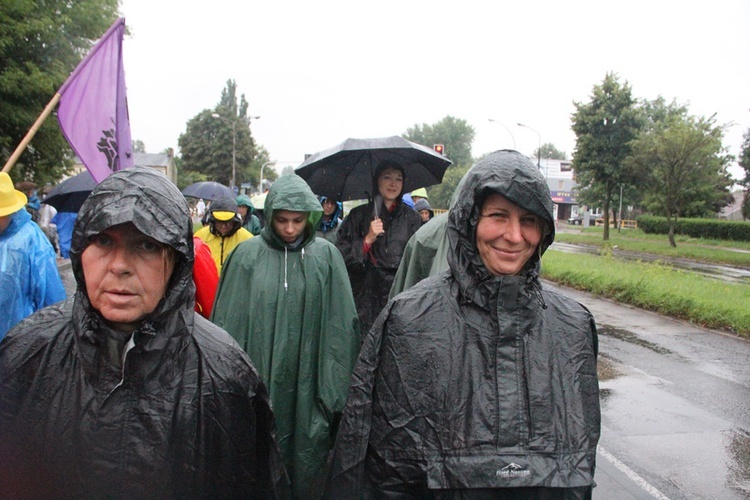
point(93, 112)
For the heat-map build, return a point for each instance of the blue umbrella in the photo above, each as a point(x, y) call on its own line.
point(208, 190)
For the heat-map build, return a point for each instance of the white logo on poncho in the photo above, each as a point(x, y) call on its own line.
point(513, 470)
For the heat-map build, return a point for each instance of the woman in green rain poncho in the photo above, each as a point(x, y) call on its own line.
point(286, 298)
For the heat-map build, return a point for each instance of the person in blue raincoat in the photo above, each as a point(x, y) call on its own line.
point(29, 279)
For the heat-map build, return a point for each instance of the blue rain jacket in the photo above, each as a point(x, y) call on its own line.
point(29, 279)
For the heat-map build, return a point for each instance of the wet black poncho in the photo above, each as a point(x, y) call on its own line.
point(185, 416)
point(468, 382)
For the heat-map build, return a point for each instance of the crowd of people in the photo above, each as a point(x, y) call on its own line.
point(385, 353)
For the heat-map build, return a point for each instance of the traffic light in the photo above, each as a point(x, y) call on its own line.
point(439, 148)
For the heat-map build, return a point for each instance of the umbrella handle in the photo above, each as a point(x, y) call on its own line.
point(376, 206)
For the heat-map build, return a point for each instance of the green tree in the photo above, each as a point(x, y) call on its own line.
point(548, 150)
point(604, 128)
point(139, 146)
point(207, 144)
point(744, 162)
point(685, 167)
point(41, 43)
point(456, 135)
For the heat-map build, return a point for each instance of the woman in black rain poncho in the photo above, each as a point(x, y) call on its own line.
point(372, 239)
point(123, 391)
point(478, 382)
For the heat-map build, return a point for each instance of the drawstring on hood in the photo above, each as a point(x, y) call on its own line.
point(291, 193)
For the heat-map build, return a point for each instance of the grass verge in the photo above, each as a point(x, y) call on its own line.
point(679, 294)
point(635, 240)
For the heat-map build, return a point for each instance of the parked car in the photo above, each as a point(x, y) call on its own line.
point(578, 220)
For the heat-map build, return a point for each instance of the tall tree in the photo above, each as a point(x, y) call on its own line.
point(41, 43)
point(604, 128)
point(206, 146)
point(548, 150)
point(685, 167)
point(744, 162)
point(456, 135)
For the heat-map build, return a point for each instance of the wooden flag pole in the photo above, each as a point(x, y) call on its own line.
point(30, 134)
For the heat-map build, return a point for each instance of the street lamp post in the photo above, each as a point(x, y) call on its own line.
point(234, 144)
point(506, 128)
point(538, 149)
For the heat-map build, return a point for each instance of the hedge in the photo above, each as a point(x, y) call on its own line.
point(697, 228)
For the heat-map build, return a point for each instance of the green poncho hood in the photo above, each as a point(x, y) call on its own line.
point(291, 192)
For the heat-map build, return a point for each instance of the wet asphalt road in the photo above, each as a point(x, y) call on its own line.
point(675, 405)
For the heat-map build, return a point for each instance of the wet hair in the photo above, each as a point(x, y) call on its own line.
point(388, 164)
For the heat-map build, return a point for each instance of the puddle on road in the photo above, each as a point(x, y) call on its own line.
point(606, 369)
point(739, 466)
point(630, 337)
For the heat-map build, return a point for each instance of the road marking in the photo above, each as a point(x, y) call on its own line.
point(651, 490)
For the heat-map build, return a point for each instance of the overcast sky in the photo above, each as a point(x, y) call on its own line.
point(320, 71)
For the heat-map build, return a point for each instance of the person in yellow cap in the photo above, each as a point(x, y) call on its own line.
point(29, 279)
point(419, 194)
point(224, 230)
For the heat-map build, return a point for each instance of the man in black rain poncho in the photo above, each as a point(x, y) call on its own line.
point(116, 401)
point(477, 382)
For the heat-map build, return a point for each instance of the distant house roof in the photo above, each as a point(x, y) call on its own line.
point(151, 159)
point(733, 211)
point(164, 162)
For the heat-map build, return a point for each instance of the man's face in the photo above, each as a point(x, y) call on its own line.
point(242, 210)
point(289, 225)
point(223, 226)
point(425, 214)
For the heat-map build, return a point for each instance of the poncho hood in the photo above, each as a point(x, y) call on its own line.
point(244, 200)
point(512, 175)
point(159, 210)
point(291, 192)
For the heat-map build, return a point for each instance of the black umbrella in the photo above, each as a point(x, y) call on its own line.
point(208, 190)
point(345, 172)
point(69, 195)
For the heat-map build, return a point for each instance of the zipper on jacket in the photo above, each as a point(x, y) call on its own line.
point(128, 346)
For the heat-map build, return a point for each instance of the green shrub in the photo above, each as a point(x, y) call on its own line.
point(697, 228)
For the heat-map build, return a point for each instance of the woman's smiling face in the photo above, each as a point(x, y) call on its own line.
point(390, 184)
point(507, 235)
